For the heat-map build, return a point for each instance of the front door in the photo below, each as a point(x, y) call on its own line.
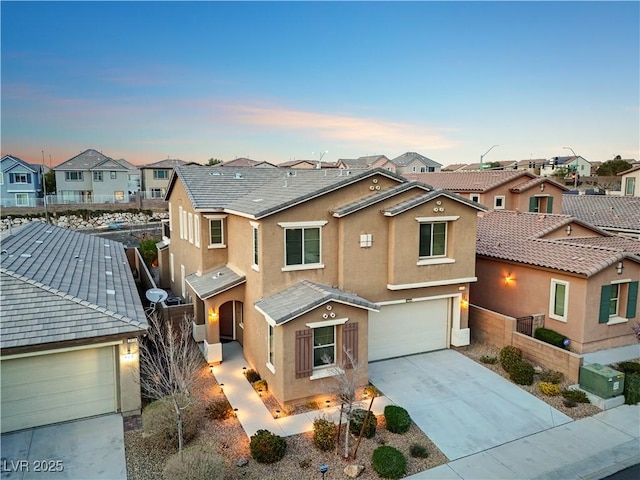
point(226, 320)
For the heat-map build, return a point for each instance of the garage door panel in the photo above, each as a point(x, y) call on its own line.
point(57, 387)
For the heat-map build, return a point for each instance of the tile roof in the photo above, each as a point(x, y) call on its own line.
point(632, 169)
point(534, 182)
point(256, 192)
point(532, 161)
point(375, 198)
point(91, 159)
point(304, 296)
point(215, 281)
point(517, 237)
point(408, 157)
point(167, 163)
point(18, 161)
point(78, 273)
point(453, 167)
point(487, 165)
point(362, 162)
point(614, 242)
point(605, 211)
point(426, 197)
point(469, 181)
point(239, 162)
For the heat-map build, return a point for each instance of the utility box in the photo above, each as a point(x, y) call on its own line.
point(601, 380)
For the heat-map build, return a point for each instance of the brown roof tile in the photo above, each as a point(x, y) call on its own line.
point(465, 181)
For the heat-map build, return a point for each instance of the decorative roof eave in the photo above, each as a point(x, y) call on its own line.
point(377, 197)
point(523, 187)
point(205, 291)
point(416, 201)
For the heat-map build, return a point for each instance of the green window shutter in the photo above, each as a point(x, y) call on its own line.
point(549, 204)
point(605, 300)
point(532, 204)
point(632, 299)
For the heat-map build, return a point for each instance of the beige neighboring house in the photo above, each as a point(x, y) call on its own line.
point(370, 161)
point(245, 162)
point(580, 279)
point(299, 265)
point(410, 162)
point(155, 177)
point(306, 164)
point(70, 322)
point(631, 181)
point(501, 189)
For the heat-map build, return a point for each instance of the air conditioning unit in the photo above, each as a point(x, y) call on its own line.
point(601, 380)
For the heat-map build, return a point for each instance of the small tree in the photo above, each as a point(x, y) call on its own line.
point(613, 167)
point(213, 161)
point(50, 183)
point(169, 365)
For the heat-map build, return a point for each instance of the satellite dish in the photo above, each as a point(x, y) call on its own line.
point(156, 295)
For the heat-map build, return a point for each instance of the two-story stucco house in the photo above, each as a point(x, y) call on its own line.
point(631, 181)
point(155, 177)
point(299, 266)
point(20, 182)
point(410, 162)
point(500, 190)
point(92, 177)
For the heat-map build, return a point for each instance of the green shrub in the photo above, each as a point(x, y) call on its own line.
point(550, 389)
point(198, 463)
point(357, 420)
point(397, 418)
point(149, 251)
point(418, 451)
point(325, 434)
point(389, 462)
point(312, 405)
point(252, 375)
point(261, 385)
point(551, 376)
point(577, 396)
point(508, 356)
point(372, 391)
point(489, 359)
point(161, 428)
point(218, 409)
point(522, 373)
point(267, 447)
point(567, 402)
point(550, 336)
point(632, 388)
point(628, 367)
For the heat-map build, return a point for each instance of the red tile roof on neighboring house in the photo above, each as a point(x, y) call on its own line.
point(605, 211)
point(469, 181)
point(239, 162)
point(631, 245)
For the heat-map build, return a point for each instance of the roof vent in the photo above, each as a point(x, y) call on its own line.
point(215, 174)
point(238, 175)
point(26, 255)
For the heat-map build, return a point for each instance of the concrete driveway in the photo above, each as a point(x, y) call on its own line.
point(84, 449)
point(463, 407)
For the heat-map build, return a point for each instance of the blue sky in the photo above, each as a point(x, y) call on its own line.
point(278, 81)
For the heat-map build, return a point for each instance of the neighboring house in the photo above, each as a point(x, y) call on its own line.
point(584, 282)
point(71, 316)
point(570, 164)
point(371, 161)
point(299, 265)
point(453, 168)
point(411, 162)
point(500, 190)
point(533, 165)
point(92, 177)
point(155, 177)
point(615, 214)
point(306, 164)
point(499, 165)
point(631, 181)
point(20, 182)
point(245, 162)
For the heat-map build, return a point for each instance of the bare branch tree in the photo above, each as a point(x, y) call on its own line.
point(169, 365)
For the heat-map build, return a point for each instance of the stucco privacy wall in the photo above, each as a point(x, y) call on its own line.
point(129, 377)
point(500, 330)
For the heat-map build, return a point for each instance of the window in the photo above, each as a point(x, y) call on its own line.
point(433, 239)
point(498, 202)
point(119, 195)
point(629, 186)
point(196, 230)
point(73, 176)
point(256, 257)
point(423, 169)
point(181, 220)
point(184, 223)
point(22, 199)
point(156, 193)
point(271, 347)
point(413, 169)
point(475, 197)
point(170, 216)
point(324, 346)
point(431, 169)
point(541, 204)
point(366, 240)
point(216, 232)
point(614, 300)
point(618, 302)
point(171, 268)
point(97, 176)
point(302, 246)
point(1, 178)
point(183, 277)
point(190, 226)
point(113, 175)
point(19, 178)
point(160, 174)
point(559, 300)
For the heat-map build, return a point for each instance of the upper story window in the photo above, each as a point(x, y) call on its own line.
point(160, 174)
point(1, 178)
point(629, 186)
point(255, 237)
point(74, 176)
point(433, 239)
point(216, 231)
point(113, 175)
point(499, 202)
point(559, 300)
point(19, 178)
point(97, 176)
point(475, 197)
point(196, 230)
point(302, 245)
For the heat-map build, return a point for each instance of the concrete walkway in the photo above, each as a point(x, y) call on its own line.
point(252, 413)
point(613, 355)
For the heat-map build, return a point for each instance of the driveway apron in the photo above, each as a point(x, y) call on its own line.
point(463, 407)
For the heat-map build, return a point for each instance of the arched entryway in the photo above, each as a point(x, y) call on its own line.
point(231, 320)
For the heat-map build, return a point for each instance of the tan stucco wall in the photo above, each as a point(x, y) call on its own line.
point(635, 174)
point(577, 231)
point(129, 378)
point(148, 182)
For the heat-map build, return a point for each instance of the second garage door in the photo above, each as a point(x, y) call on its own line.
point(407, 328)
point(57, 387)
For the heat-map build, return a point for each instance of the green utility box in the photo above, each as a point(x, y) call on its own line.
point(601, 380)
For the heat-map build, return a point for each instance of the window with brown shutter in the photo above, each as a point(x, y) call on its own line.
point(350, 342)
point(304, 351)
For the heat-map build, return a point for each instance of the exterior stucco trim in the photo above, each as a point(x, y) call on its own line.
point(435, 283)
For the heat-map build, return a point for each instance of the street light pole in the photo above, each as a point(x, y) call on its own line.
point(482, 156)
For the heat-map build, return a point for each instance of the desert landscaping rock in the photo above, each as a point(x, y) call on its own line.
point(353, 471)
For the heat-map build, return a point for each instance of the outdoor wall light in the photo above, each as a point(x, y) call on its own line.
point(464, 303)
point(542, 187)
point(259, 392)
point(129, 356)
point(211, 369)
point(222, 387)
point(508, 279)
point(244, 370)
point(568, 229)
point(619, 268)
point(277, 413)
point(213, 315)
point(235, 412)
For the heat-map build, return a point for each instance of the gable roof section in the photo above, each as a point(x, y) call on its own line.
point(517, 237)
point(453, 167)
point(82, 269)
point(238, 162)
point(605, 211)
point(18, 162)
point(375, 198)
point(467, 181)
point(534, 182)
point(167, 163)
point(214, 282)
point(424, 198)
point(110, 164)
point(303, 297)
point(83, 161)
point(408, 157)
point(257, 193)
point(615, 242)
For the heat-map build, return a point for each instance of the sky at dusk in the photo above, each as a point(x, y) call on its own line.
point(278, 81)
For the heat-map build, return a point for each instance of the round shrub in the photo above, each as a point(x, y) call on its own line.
point(397, 418)
point(632, 389)
point(252, 375)
point(577, 396)
point(267, 447)
point(508, 356)
point(551, 376)
point(389, 462)
point(567, 402)
point(628, 367)
point(160, 425)
point(549, 389)
point(522, 373)
point(325, 434)
point(218, 409)
point(418, 451)
point(198, 463)
point(357, 420)
point(261, 385)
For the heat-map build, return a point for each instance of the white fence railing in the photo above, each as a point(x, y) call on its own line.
point(79, 199)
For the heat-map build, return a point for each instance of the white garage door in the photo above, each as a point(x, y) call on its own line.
point(57, 387)
point(406, 328)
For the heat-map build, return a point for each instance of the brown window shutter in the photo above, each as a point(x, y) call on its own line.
point(304, 353)
point(350, 342)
